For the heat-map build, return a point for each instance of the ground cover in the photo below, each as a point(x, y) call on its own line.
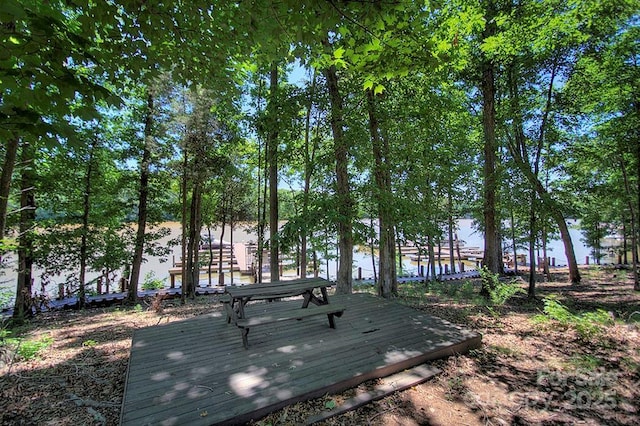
point(571, 358)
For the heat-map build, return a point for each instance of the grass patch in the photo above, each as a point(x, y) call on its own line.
point(20, 349)
point(454, 290)
point(585, 362)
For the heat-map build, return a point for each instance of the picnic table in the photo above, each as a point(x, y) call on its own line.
point(238, 297)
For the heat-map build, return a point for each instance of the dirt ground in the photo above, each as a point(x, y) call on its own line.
point(525, 372)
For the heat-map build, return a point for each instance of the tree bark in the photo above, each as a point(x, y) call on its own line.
point(183, 221)
point(85, 225)
point(261, 200)
point(452, 255)
point(272, 147)
point(23, 302)
point(634, 226)
point(309, 162)
point(143, 195)
point(210, 250)
point(344, 202)
point(221, 248)
point(636, 233)
point(432, 258)
point(387, 280)
point(193, 243)
point(531, 292)
point(492, 247)
point(11, 151)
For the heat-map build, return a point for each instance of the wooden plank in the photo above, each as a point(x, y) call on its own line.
point(394, 334)
point(386, 386)
point(292, 314)
point(289, 314)
point(195, 371)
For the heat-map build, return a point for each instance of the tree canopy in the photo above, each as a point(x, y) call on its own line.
point(413, 113)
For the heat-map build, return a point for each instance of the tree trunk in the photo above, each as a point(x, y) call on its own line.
point(344, 203)
point(387, 282)
point(440, 270)
point(86, 208)
point(193, 244)
point(492, 246)
point(634, 224)
point(11, 151)
point(23, 302)
point(231, 226)
point(272, 147)
point(432, 258)
point(261, 200)
point(460, 267)
point(513, 243)
point(636, 232)
point(555, 212)
point(531, 293)
point(452, 254)
point(210, 249)
point(373, 256)
point(145, 166)
point(309, 163)
point(221, 248)
point(183, 221)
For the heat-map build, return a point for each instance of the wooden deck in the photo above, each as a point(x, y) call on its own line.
point(196, 371)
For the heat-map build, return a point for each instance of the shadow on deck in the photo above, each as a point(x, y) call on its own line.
point(196, 371)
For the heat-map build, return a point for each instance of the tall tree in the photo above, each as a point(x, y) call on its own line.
point(11, 150)
point(143, 199)
point(343, 193)
point(272, 159)
point(23, 301)
point(387, 281)
point(492, 240)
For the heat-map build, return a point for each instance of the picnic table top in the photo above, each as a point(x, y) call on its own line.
point(277, 288)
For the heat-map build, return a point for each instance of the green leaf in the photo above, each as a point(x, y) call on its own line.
point(379, 89)
point(330, 404)
point(339, 53)
point(368, 84)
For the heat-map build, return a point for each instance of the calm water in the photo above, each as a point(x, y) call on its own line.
point(160, 266)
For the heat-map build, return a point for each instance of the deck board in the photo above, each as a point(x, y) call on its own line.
point(196, 371)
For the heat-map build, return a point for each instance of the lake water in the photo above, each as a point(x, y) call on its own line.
point(362, 259)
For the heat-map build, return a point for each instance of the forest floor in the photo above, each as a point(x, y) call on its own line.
point(575, 365)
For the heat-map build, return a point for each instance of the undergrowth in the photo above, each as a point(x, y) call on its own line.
point(586, 324)
point(19, 349)
point(151, 282)
point(499, 291)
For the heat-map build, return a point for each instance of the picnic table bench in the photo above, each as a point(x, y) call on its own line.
point(238, 296)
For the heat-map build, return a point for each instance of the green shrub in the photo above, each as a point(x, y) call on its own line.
point(587, 324)
point(499, 291)
point(151, 282)
point(24, 349)
point(90, 343)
